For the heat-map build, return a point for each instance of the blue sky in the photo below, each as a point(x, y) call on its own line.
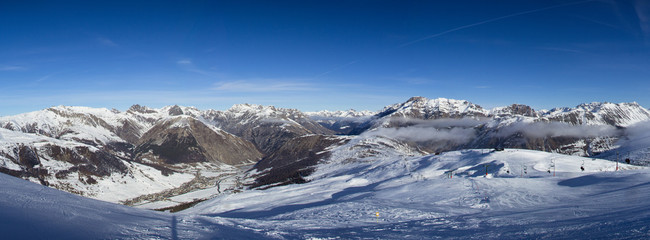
point(315, 55)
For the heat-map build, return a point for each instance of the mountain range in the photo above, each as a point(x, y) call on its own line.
point(144, 154)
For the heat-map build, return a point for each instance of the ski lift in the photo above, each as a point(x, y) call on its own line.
point(450, 173)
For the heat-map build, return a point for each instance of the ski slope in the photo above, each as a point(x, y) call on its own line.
point(32, 211)
point(377, 197)
point(414, 198)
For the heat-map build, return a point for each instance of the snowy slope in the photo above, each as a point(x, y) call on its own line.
point(351, 113)
point(375, 196)
point(424, 108)
point(597, 113)
point(32, 211)
point(414, 198)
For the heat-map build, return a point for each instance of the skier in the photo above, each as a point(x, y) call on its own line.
point(582, 168)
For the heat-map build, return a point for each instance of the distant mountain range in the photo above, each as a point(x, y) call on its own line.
point(123, 156)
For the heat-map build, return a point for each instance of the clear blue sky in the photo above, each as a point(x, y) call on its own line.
point(315, 55)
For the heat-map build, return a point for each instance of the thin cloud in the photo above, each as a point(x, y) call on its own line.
point(12, 68)
point(642, 9)
point(489, 21)
point(184, 62)
point(557, 49)
point(415, 80)
point(106, 42)
point(337, 68)
point(188, 65)
point(44, 78)
point(557, 129)
point(422, 134)
point(263, 85)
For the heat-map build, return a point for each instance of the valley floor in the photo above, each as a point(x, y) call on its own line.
point(389, 198)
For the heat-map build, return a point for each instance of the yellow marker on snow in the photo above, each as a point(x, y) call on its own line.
point(377, 214)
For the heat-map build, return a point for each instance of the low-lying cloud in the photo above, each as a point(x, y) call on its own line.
point(421, 134)
point(441, 123)
point(557, 129)
point(464, 130)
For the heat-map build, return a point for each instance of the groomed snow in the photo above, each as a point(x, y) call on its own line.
point(414, 198)
point(377, 198)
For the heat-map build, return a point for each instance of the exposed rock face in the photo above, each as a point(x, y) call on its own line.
point(98, 163)
point(187, 140)
point(137, 108)
point(621, 114)
point(267, 127)
point(514, 110)
point(175, 111)
point(294, 160)
point(27, 157)
point(423, 108)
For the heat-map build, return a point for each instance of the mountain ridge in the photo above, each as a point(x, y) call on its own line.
point(80, 149)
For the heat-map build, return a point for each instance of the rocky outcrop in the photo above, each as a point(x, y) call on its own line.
point(187, 140)
point(514, 110)
point(267, 127)
point(294, 160)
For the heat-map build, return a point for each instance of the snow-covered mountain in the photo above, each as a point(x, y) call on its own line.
point(619, 115)
point(120, 156)
point(413, 170)
point(423, 108)
point(342, 122)
point(445, 124)
point(267, 127)
point(143, 155)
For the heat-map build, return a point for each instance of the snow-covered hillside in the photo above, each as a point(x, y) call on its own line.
point(385, 196)
point(415, 163)
point(32, 211)
point(120, 156)
point(450, 196)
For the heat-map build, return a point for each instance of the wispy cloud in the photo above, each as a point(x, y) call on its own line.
point(337, 68)
point(264, 85)
point(184, 62)
point(642, 8)
point(106, 42)
point(188, 65)
point(557, 129)
point(558, 49)
point(43, 78)
point(489, 21)
point(415, 80)
point(12, 68)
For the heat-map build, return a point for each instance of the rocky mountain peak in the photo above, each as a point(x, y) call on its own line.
point(175, 111)
point(423, 108)
point(514, 110)
point(417, 99)
point(137, 108)
point(598, 113)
